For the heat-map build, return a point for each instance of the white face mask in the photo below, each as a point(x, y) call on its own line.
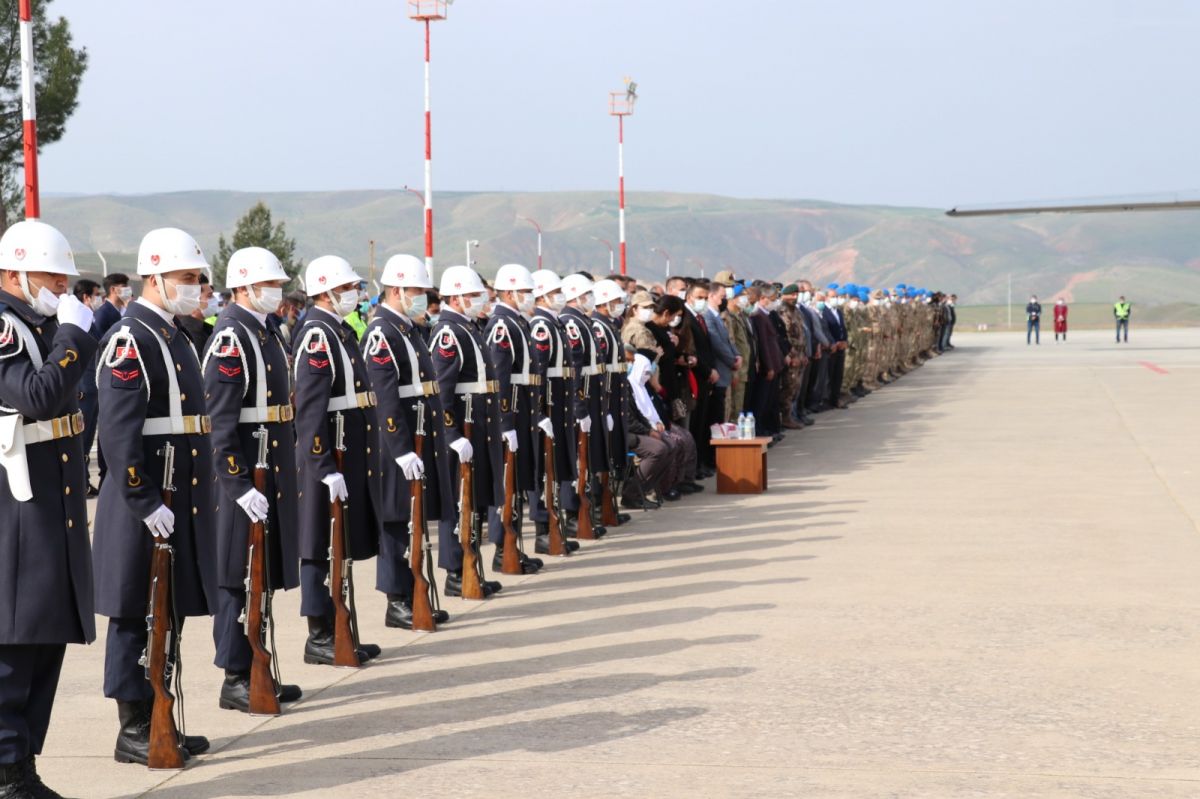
point(125, 294)
point(473, 304)
point(743, 302)
point(675, 322)
point(96, 302)
point(617, 309)
point(186, 300)
point(415, 307)
point(46, 301)
point(345, 302)
point(558, 301)
point(852, 304)
point(682, 294)
point(699, 305)
point(645, 314)
point(212, 307)
point(774, 305)
point(805, 296)
point(587, 303)
point(526, 303)
point(266, 299)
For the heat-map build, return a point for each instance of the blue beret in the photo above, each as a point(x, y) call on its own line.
point(738, 288)
point(832, 286)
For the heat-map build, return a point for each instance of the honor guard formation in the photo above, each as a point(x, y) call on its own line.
point(277, 442)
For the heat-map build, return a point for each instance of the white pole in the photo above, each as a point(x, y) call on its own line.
point(103, 263)
point(1010, 300)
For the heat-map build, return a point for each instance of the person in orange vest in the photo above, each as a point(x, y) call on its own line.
point(1060, 319)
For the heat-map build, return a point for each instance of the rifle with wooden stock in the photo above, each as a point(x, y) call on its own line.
point(468, 521)
point(583, 528)
point(512, 549)
point(256, 615)
point(341, 575)
point(161, 658)
point(424, 599)
point(557, 521)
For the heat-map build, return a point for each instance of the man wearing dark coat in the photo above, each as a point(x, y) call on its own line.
point(151, 395)
point(331, 388)
point(45, 558)
point(248, 392)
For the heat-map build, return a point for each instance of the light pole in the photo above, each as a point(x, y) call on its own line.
point(29, 112)
point(539, 232)
point(471, 243)
point(666, 255)
point(620, 105)
point(427, 11)
point(608, 244)
point(700, 264)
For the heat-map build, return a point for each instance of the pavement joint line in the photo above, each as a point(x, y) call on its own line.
point(1149, 461)
point(350, 673)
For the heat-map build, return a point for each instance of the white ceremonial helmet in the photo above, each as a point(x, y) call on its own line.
point(513, 277)
point(34, 246)
point(251, 265)
point(327, 273)
point(575, 286)
point(544, 282)
point(457, 280)
point(406, 271)
point(169, 249)
point(606, 291)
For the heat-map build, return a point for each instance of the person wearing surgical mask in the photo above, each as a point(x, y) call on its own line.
point(672, 366)
point(199, 323)
point(738, 324)
point(678, 287)
point(635, 330)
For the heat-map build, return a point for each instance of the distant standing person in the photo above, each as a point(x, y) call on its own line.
point(1033, 321)
point(1060, 319)
point(1121, 314)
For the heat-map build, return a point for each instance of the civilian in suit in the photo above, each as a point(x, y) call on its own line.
point(727, 358)
point(770, 359)
point(704, 370)
point(832, 314)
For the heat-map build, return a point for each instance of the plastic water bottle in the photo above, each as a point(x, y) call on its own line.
point(751, 425)
point(741, 428)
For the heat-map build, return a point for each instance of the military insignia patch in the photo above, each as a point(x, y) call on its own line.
point(391, 425)
point(317, 365)
point(127, 378)
point(127, 352)
point(382, 360)
point(230, 374)
point(229, 351)
point(134, 481)
point(317, 449)
point(233, 466)
point(447, 345)
point(504, 404)
point(449, 418)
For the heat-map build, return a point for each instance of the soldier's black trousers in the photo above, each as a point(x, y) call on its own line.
point(229, 636)
point(124, 679)
point(28, 682)
point(393, 573)
point(314, 594)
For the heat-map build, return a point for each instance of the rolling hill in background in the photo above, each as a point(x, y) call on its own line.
point(1153, 258)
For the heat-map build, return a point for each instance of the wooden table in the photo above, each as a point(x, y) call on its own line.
point(741, 465)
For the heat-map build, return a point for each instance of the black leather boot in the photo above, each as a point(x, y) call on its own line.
point(528, 565)
point(453, 585)
point(235, 692)
point(318, 649)
point(133, 741)
point(33, 783)
point(14, 783)
point(399, 612)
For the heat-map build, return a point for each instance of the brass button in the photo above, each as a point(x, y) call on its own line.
point(195, 510)
point(195, 453)
point(182, 397)
point(274, 443)
point(67, 490)
point(278, 495)
point(368, 430)
point(368, 450)
point(195, 481)
point(368, 472)
point(70, 522)
point(268, 393)
point(276, 470)
point(65, 457)
point(268, 367)
point(178, 368)
point(358, 384)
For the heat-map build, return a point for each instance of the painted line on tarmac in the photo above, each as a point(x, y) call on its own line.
point(1154, 367)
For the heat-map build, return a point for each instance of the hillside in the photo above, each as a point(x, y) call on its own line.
point(1151, 257)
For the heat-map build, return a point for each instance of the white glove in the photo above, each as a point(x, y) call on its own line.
point(608, 422)
point(510, 439)
point(412, 466)
point(161, 522)
point(255, 505)
point(337, 486)
point(547, 427)
point(73, 312)
point(463, 448)
point(585, 424)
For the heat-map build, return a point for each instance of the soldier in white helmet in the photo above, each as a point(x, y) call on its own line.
point(607, 315)
point(510, 348)
point(560, 404)
point(248, 392)
point(332, 385)
point(402, 375)
point(464, 370)
point(151, 394)
point(589, 365)
point(46, 582)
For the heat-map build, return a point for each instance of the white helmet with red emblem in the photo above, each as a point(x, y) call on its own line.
point(327, 273)
point(169, 249)
point(34, 246)
point(513, 277)
point(251, 265)
point(406, 271)
point(461, 280)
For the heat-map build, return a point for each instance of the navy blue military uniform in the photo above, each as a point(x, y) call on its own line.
point(520, 387)
point(45, 560)
point(247, 384)
point(611, 352)
point(151, 392)
point(402, 376)
point(462, 367)
point(331, 378)
point(586, 359)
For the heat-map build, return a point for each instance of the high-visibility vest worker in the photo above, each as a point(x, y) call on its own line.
point(1121, 310)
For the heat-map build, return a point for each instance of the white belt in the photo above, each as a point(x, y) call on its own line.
point(619, 368)
point(526, 380)
point(272, 414)
point(53, 429)
point(426, 389)
point(592, 371)
point(177, 426)
point(363, 399)
point(478, 387)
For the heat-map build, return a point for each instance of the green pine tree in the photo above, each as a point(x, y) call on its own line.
point(256, 229)
point(58, 73)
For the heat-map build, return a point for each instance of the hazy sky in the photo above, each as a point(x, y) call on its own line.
point(925, 102)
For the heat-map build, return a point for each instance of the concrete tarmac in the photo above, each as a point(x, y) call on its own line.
point(980, 581)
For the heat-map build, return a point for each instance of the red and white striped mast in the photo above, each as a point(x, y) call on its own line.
point(537, 226)
point(29, 112)
point(620, 105)
point(427, 11)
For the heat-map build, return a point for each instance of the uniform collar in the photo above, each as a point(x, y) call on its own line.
point(546, 312)
point(454, 316)
point(162, 314)
point(21, 308)
point(404, 322)
point(249, 315)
